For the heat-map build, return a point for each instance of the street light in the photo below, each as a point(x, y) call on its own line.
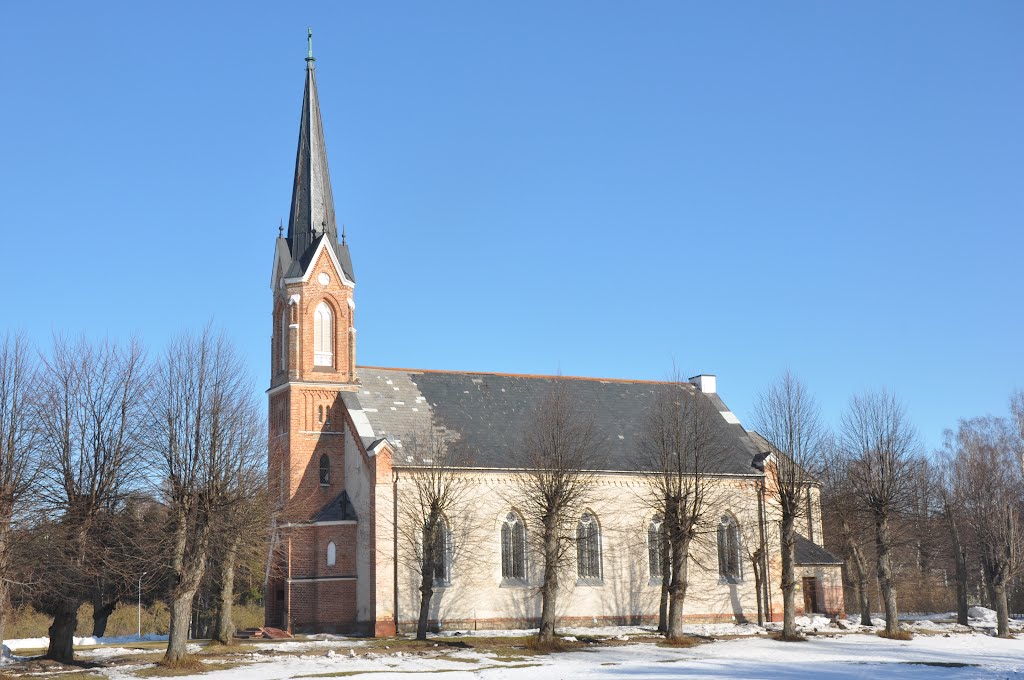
point(140, 604)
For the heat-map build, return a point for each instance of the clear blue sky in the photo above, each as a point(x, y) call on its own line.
point(596, 188)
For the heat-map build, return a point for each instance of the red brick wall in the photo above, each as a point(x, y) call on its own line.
point(306, 422)
point(314, 604)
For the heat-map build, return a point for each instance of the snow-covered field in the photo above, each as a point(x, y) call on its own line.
point(837, 652)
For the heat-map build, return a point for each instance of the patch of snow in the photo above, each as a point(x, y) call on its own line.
point(43, 642)
point(982, 614)
point(312, 643)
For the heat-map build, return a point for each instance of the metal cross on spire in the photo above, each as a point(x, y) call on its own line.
point(309, 42)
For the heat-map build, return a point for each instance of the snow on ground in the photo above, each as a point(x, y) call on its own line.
point(834, 653)
point(114, 652)
point(844, 657)
point(44, 642)
point(313, 643)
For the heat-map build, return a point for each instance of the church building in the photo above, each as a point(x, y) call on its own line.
point(341, 472)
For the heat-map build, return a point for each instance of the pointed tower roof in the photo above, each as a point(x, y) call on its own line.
point(312, 211)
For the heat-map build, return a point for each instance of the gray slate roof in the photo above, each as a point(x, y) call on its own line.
point(312, 208)
point(811, 553)
point(339, 508)
point(488, 413)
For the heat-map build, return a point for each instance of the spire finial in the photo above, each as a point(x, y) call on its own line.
point(280, 229)
point(342, 234)
point(309, 42)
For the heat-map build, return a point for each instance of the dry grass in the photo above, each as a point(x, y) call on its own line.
point(187, 665)
point(26, 622)
point(536, 645)
point(215, 648)
point(789, 638)
point(509, 647)
point(898, 635)
point(682, 642)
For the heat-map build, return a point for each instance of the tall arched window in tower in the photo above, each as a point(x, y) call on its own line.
point(513, 548)
point(325, 470)
point(332, 554)
point(729, 549)
point(656, 546)
point(588, 548)
point(282, 341)
point(323, 336)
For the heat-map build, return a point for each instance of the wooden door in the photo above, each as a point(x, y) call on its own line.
point(810, 588)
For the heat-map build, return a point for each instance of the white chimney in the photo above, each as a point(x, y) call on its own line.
point(708, 384)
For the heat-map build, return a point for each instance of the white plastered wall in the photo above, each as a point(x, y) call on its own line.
point(359, 487)
point(476, 595)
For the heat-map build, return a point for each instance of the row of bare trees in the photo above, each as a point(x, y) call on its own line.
point(945, 528)
point(979, 484)
point(117, 469)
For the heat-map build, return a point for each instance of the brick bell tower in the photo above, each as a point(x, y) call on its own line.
point(312, 365)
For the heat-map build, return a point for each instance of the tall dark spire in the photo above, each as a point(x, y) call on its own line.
point(312, 210)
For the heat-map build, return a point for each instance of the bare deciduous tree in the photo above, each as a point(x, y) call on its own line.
point(243, 524)
point(1017, 414)
point(435, 526)
point(206, 433)
point(952, 509)
point(680, 449)
point(845, 522)
point(18, 442)
point(787, 416)
point(989, 484)
point(882, 444)
point(554, 485)
point(91, 420)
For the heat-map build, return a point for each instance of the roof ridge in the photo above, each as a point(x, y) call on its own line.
point(523, 375)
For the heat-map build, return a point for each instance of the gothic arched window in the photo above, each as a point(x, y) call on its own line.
point(440, 542)
point(332, 554)
point(323, 336)
point(513, 548)
point(656, 546)
point(325, 470)
point(729, 549)
point(588, 548)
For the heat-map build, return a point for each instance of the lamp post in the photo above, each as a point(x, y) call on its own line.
point(140, 603)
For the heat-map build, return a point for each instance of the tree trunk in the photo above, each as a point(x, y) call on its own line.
point(789, 631)
point(863, 586)
point(5, 605)
point(190, 546)
point(224, 625)
point(62, 632)
point(549, 591)
point(426, 593)
point(677, 588)
point(758, 579)
point(101, 611)
point(1002, 610)
point(960, 557)
point(181, 619)
point(666, 576)
point(885, 580)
